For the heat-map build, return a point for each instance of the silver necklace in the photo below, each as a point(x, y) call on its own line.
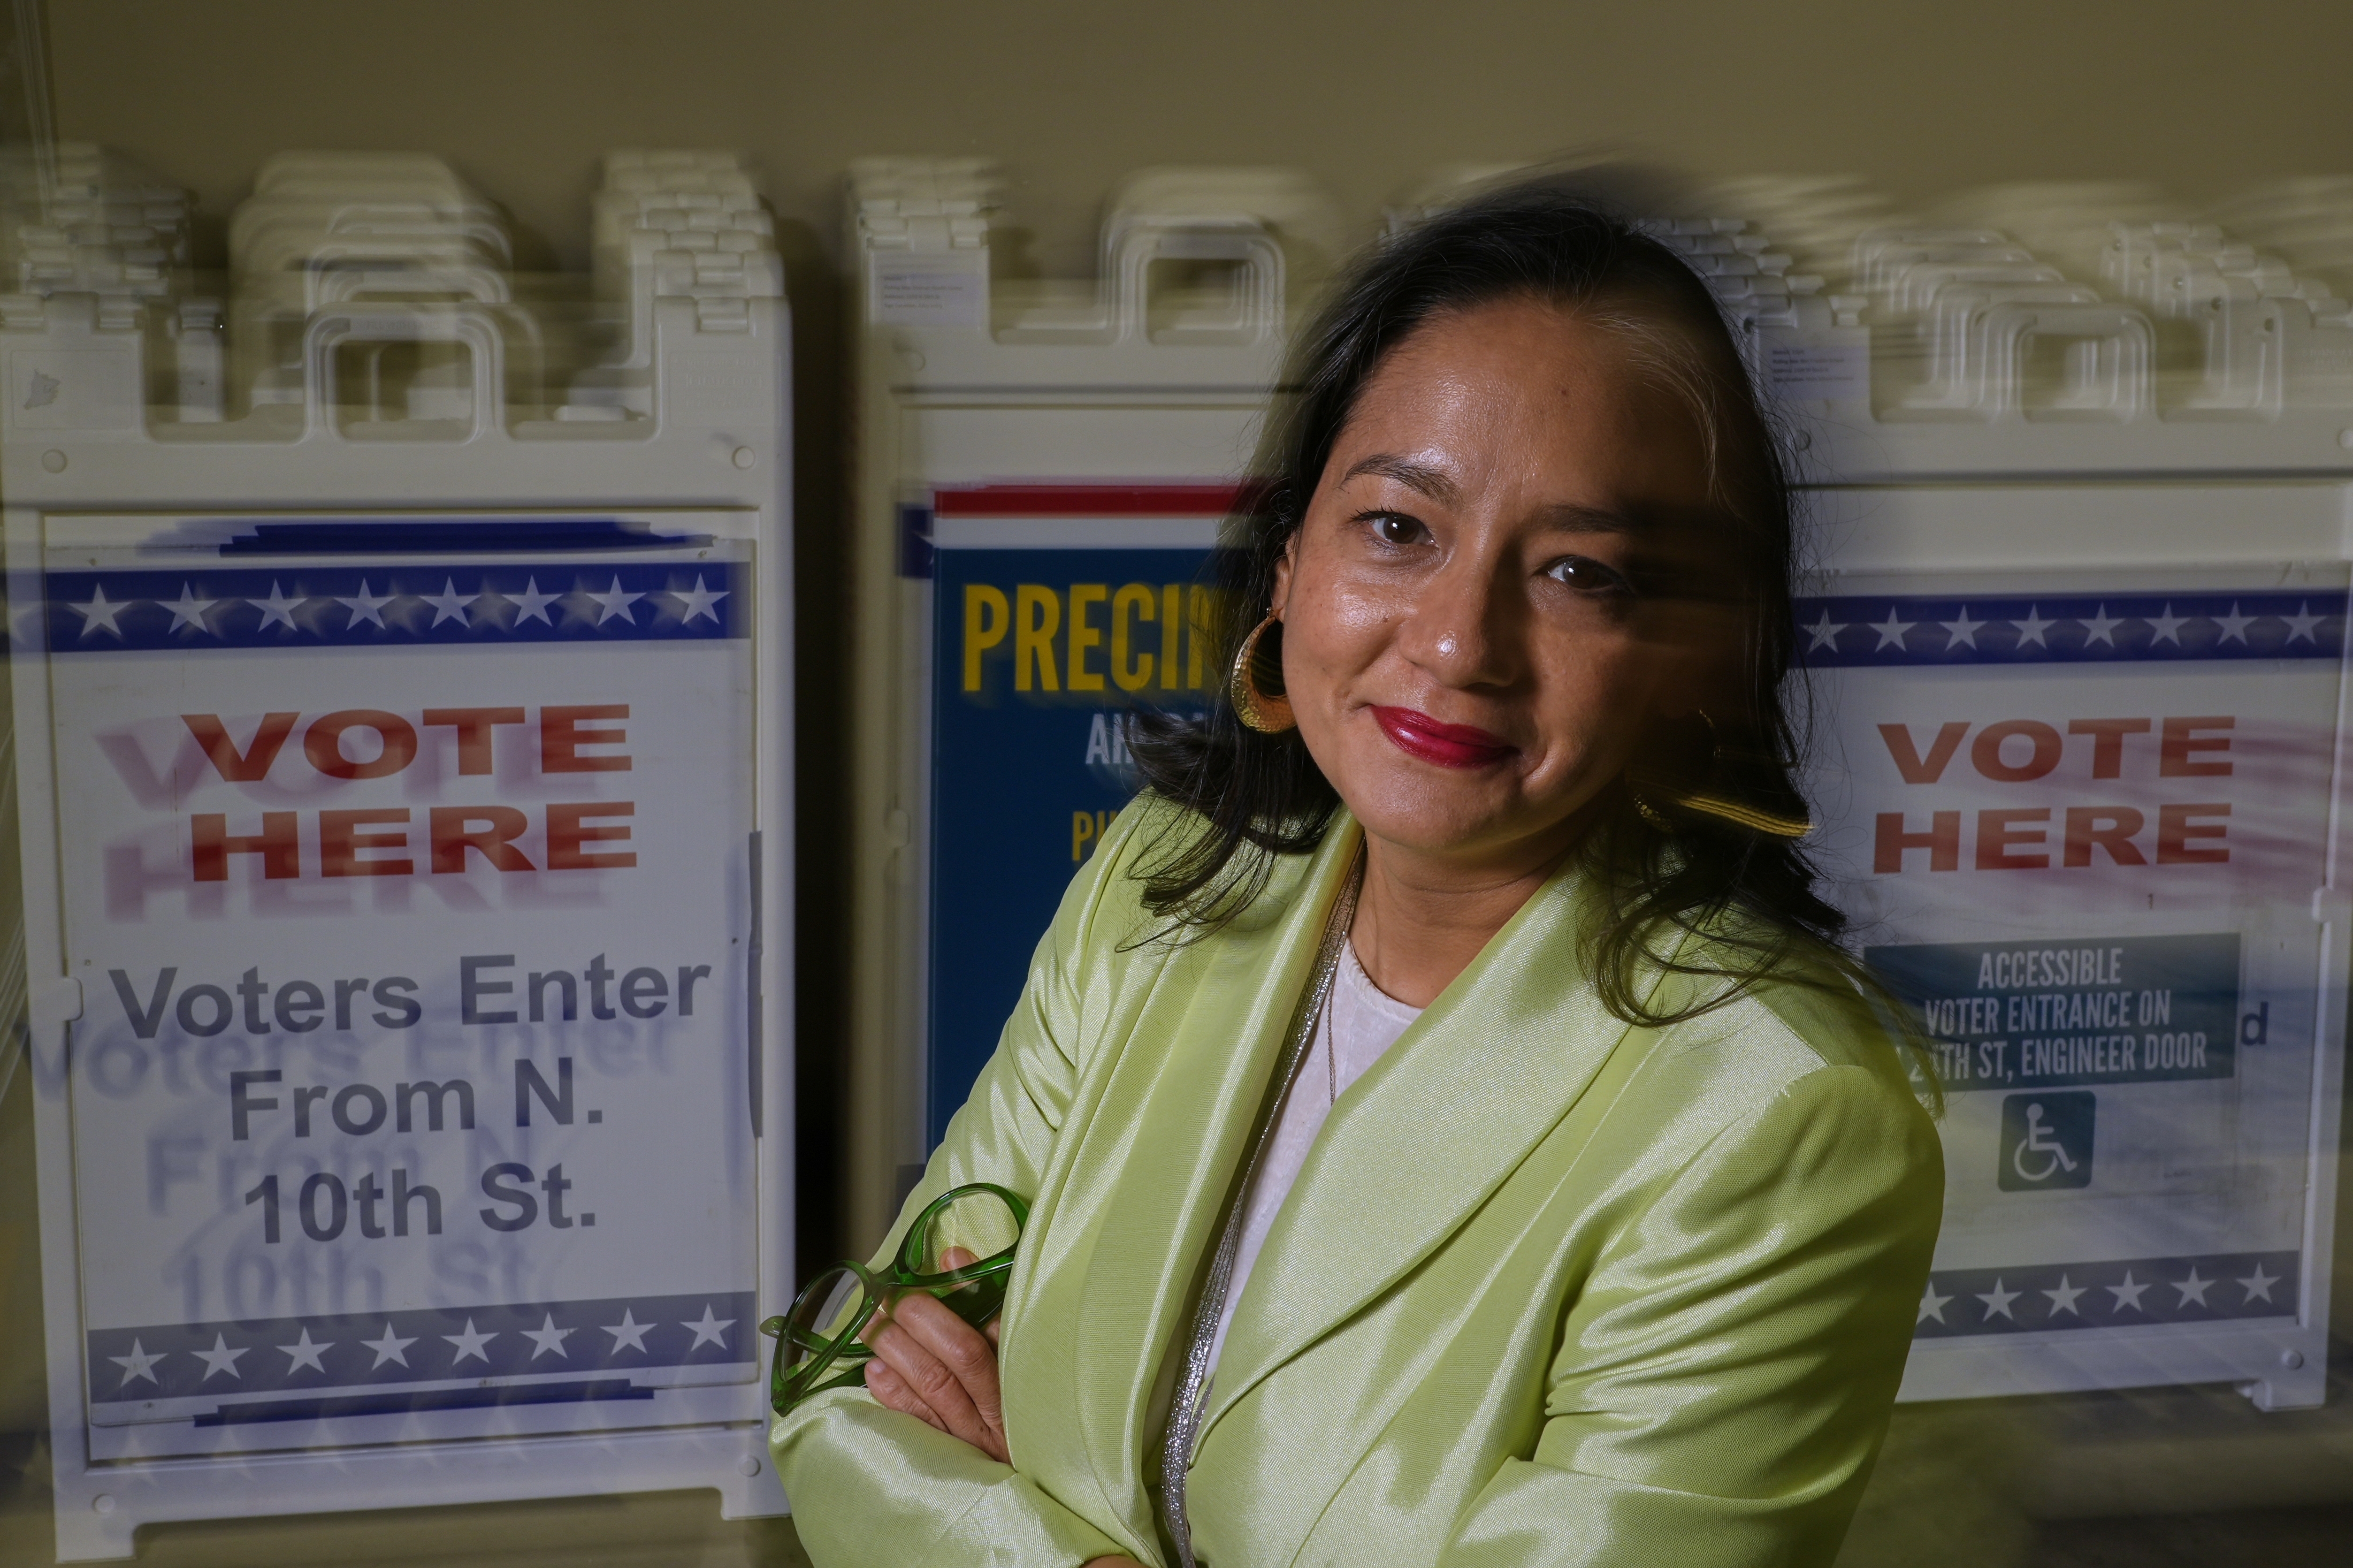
point(1331, 1033)
point(1182, 1434)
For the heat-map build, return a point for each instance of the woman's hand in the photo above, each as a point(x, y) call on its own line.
point(932, 1366)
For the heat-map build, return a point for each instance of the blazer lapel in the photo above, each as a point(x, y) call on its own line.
point(1136, 1209)
point(1414, 1147)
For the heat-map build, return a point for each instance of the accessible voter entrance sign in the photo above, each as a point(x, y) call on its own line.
point(2086, 826)
point(410, 884)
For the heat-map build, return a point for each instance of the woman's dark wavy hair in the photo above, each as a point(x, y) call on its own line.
point(1664, 869)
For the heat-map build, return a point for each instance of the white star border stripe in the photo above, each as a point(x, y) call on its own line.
point(470, 1343)
point(221, 1358)
point(2063, 1299)
point(191, 614)
point(628, 1333)
point(306, 1353)
point(419, 1344)
point(712, 1330)
point(698, 600)
point(2258, 1285)
point(97, 612)
point(138, 1364)
point(1997, 1300)
point(390, 1347)
point(532, 604)
point(278, 609)
point(615, 600)
point(2205, 1289)
point(548, 1337)
point(188, 610)
point(449, 604)
point(2302, 632)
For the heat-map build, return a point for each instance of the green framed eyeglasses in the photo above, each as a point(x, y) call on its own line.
point(818, 1344)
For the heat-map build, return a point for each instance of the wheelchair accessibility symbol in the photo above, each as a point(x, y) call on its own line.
point(2046, 1140)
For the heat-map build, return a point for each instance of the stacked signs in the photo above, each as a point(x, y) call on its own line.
point(2083, 824)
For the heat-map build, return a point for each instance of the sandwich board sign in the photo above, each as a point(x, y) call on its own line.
point(406, 874)
point(2087, 820)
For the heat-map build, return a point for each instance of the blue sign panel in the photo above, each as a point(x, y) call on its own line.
point(2046, 1140)
point(1039, 657)
point(2149, 1009)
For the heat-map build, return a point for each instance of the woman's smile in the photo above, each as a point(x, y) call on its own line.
point(1416, 734)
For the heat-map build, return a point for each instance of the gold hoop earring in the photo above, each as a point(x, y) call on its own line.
point(1267, 713)
point(1713, 798)
point(1650, 814)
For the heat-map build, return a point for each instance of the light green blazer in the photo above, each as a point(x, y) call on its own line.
point(1550, 1290)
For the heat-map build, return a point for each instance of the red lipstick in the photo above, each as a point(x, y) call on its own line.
point(1416, 734)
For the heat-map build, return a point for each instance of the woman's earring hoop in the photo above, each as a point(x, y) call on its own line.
point(1715, 799)
point(1650, 814)
point(1256, 685)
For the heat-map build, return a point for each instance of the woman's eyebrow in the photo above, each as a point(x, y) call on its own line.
point(1569, 517)
point(1430, 481)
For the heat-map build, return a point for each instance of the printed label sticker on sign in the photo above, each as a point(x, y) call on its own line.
point(409, 902)
point(2079, 833)
point(2136, 1010)
point(1839, 371)
point(930, 290)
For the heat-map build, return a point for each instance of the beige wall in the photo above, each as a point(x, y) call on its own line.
point(523, 94)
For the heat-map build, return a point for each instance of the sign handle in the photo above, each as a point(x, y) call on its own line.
point(752, 955)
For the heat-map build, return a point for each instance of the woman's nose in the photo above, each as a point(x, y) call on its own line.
point(1462, 628)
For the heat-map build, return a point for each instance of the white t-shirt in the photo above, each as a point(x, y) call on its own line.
point(1360, 1021)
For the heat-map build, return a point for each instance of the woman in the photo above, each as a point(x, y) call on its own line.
point(1453, 1136)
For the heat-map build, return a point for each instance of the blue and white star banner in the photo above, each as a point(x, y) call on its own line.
point(2062, 1297)
point(130, 1368)
point(463, 602)
point(2068, 628)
